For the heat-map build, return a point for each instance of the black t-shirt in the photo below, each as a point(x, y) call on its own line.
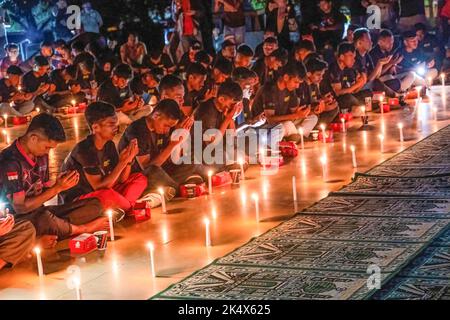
point(149, 142)
point(304, 94)
point(410, 8)
point(235, 19)
point(210, 117)
point(86, 158)
point(164, 63)
point(272, 98)
point(364, 64)
point(184, 63)
point(58, 81)
point(346, 77)
point(429, 44)
point(264, 73)
point(411, 60)
point(109, 93)
point(331, 19)
point(139, 88)
point(31, 83)
point(6, 93)
point(191, 98)
point(19, 174)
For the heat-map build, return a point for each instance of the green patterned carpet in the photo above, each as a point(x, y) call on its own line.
point(396, 217)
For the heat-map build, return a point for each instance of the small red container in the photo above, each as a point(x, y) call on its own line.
point(386, 108)
point(347, 116)
point(329, 137)
point(18, 120)
point(288, 149)
point(221, 179)
point(337, 127)
point(142, 211)
point(81, 107)
point(272, 162)
point(193, 191)
point(393, 102)
point(82, 244)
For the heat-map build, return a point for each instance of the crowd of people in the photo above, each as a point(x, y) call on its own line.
point(148, 94)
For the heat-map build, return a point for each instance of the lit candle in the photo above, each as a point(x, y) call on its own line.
point(256, 200)
point(163, 200)
point(352, 148)
point(38, 110)
point(343, 125)
point(262, 154)
point(5, 116)
point(151, 249)
point(434, 109)
point(381, 137)
point(77, 283)
point(210, 181)
point(73, 102)
point(323, 161)
point(443, 79)
point(207, 233)
point(324, 138)
point(111, 226)
point(5, 135)
point(241, 164)
point(37, 251)
point(363, 110)
point(301, 132)
point(294, 192)
point(19, 88)
point(400, 128)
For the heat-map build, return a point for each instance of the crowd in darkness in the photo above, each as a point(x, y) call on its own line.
point(315, 61)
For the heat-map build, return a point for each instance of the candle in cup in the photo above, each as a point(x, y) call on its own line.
point(400, 128)
point(151, 250)
point(37, 251)
point(163, 200)
point(207, 233)
point(111, 226)
point(381, 137)
point(343, 125)
point(323, 161)
point(302, 141)
point(324, 138)
point(210, 173)
point(77, 283)
point(256, 200)
point(352, 148)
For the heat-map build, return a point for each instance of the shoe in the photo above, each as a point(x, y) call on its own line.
point(153, 198)
point(193, 179)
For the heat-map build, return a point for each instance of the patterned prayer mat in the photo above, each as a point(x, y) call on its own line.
point(322, 255)
point(420, 160)
point(356, 228)
point(415, 289)
point(443, 240)
point(382, 207)
point(402, 171)
point(436, 186)
point(250, 283)
point(433, 263)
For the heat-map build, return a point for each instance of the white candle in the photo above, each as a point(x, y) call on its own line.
point(434, 113)
point(323, 161)
point(256, 200)
point(324, 138)
point(111, 226)
point(400, 128)
point(443, 79)
point(210, 182)
point(262, 154)
point(241, 164)
point(37, 251)
point(363, 110)
point(344, 129)
point(151, 249)
point(294, 192)
point(352, 148)
point(5, 116)
point(5, 135)
point(73, 103)
point(38, 110)
point(77, 282)
point(207, 233)
point(163, 200)
point(302, 141)
point(381, 137)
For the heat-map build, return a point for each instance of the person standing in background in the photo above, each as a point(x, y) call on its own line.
point(91, 20)
point(233, 19)
point(411, 13)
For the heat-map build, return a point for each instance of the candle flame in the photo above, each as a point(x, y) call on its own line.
point(400, 125)
point(161, 191)
point(37, 250)
point(150, 246)
point(206, 221)
point(255, 196)
point(352, 147)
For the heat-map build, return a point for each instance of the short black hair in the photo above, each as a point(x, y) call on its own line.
point(168, 82)
point(78, 46)
point(60, 43)
point(49, 126)
point(223, 66)
point(10, 46)
point(290, 70)
point(300, 68)
point(98, 111)
point(71, 70)
point(15, 70)
point(245, 50)
point(202, 57)
point(359, 34)
point(281, 55)
point(409, 34)
point(123, 71)
point(271, 40)
point(196, 45)
point(170, 109)
point(345, 47)
point(353, 27)
point(242, 73)
point(228, 43)
point(46, 43)
point(196, 69)
point(230, 89)
point(305, 45)
point(155, 52)
point(385, 33)
point(420, 26)
point(314, 65)
point(41, 61)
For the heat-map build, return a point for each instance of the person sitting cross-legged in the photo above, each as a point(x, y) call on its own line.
point(104, 173)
